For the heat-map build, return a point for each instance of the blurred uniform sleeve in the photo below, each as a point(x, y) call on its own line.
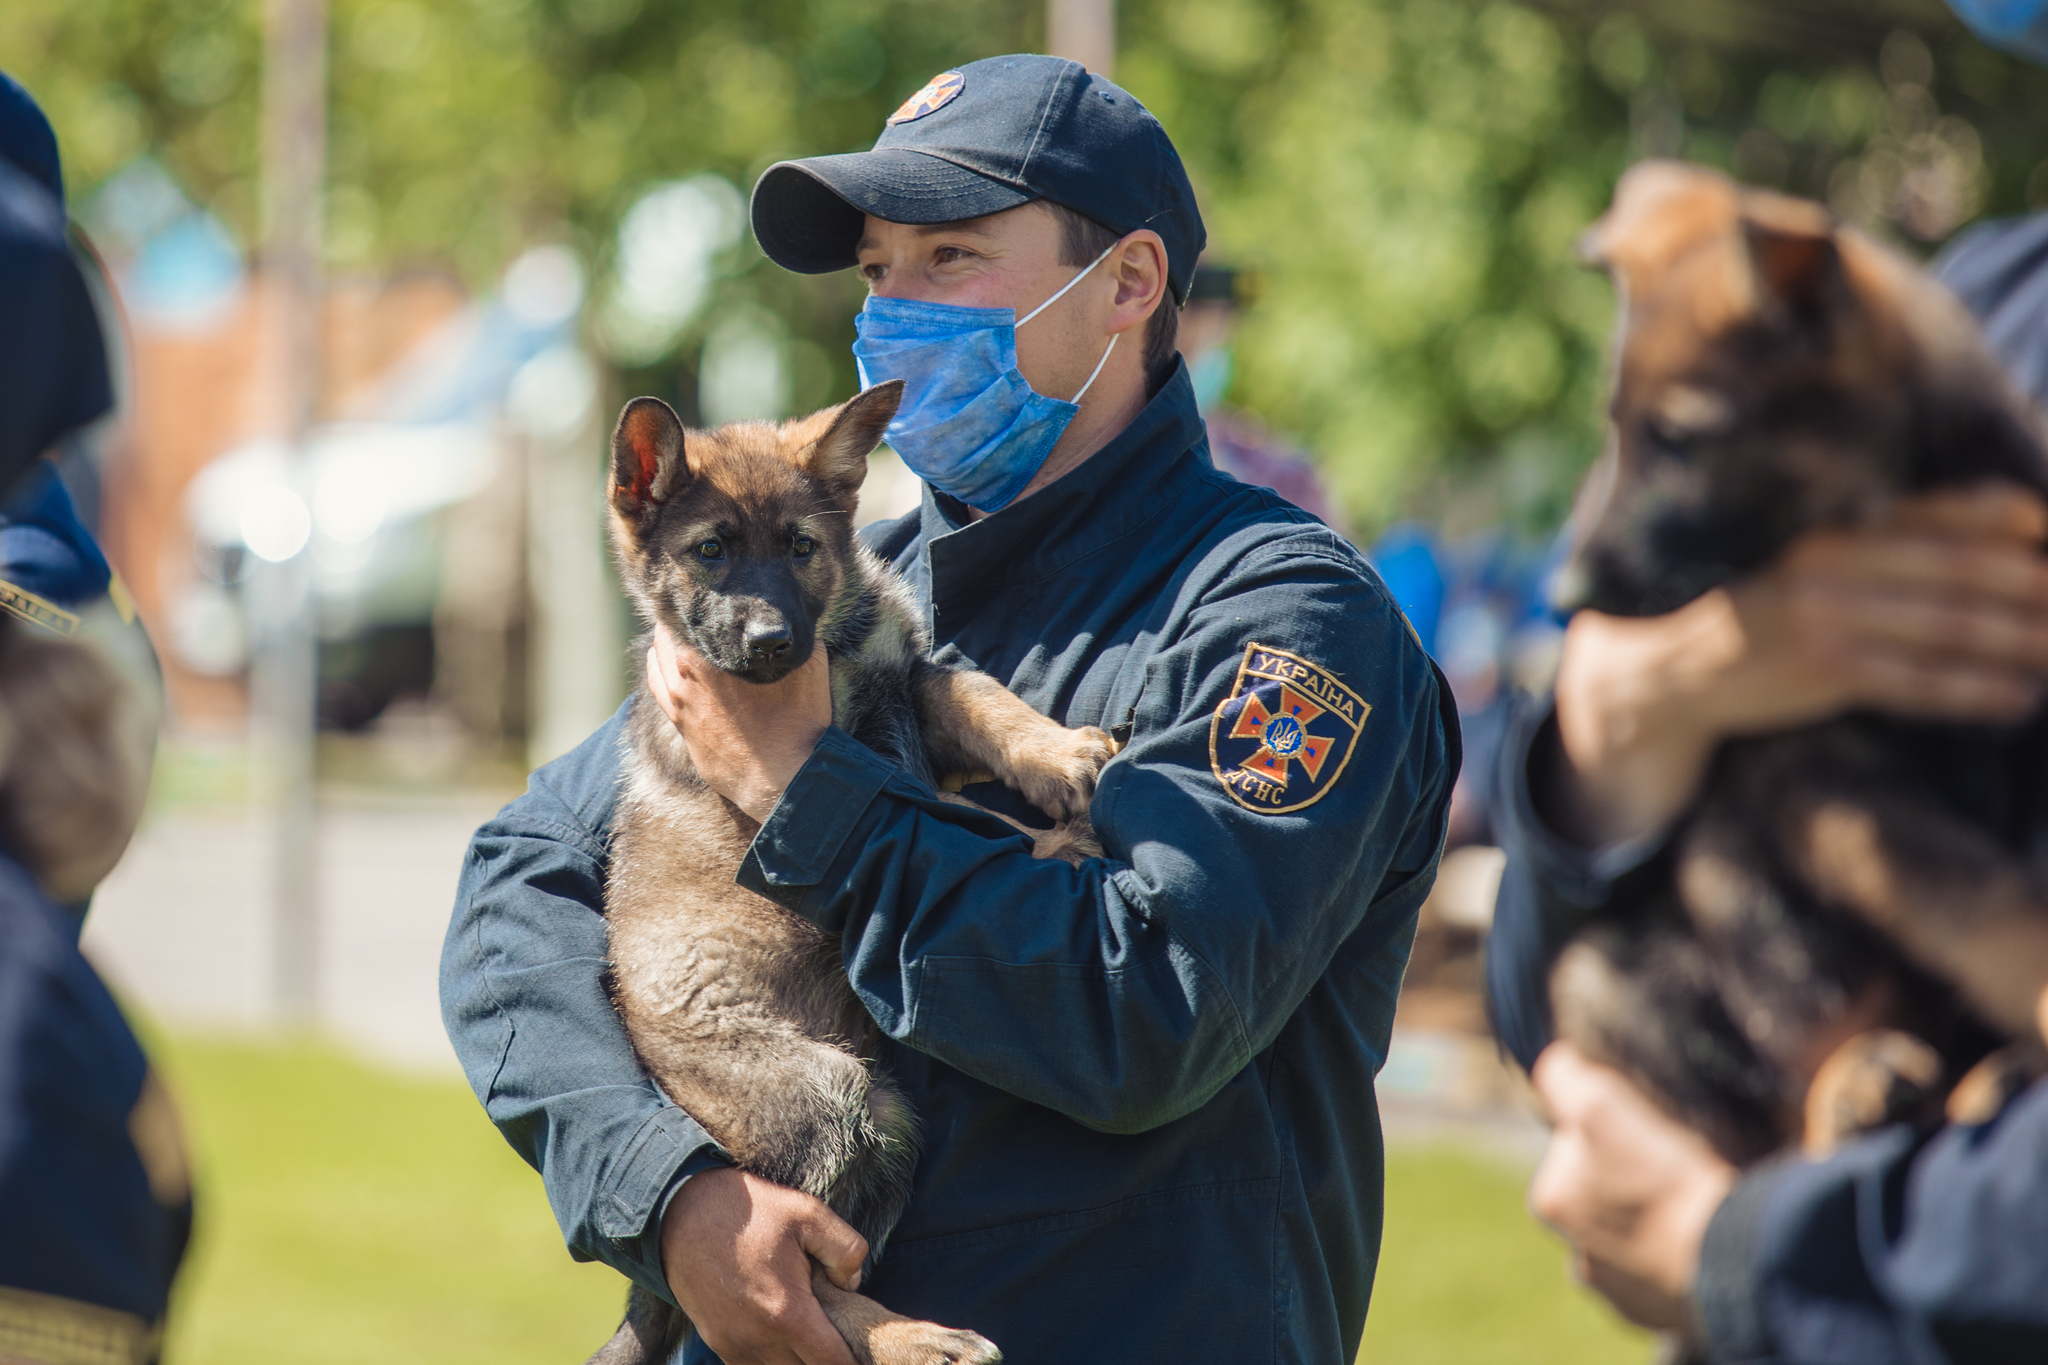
point(1550, 888)
point(95, 1190)
point(1126, 992)
point(523, 998)
point(1903, 1247)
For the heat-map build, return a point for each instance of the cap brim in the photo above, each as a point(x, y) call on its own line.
point(808, 214)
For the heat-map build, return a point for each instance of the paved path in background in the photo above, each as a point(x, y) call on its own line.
point(180, 927)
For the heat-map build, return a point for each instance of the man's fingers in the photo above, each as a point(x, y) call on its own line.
point(833, 1244)
point(1991, 631)
point(1845, 561)
point(1999, 510)
point(1940, 688)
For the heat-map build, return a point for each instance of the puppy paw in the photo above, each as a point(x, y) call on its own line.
point(1990, 1085)
point(1876, 1078)
point(1071, 841)
point(1055, 769)
point(927, 1343)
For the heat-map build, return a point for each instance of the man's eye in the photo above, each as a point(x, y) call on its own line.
point(711, 549)
point(802, 546)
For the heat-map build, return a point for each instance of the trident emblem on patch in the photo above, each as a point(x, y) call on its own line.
point(1283, 735)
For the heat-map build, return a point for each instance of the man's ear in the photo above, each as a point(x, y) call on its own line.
point(1141, 280)
point(833, 446)
point(647, 456)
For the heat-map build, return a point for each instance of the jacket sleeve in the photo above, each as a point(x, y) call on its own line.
point(1550, 888)
point(523, 998)
point(1127, 991)
point(1899, 1248)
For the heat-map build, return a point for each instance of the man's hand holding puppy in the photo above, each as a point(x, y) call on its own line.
point(746, 740)
point(1628, 1187)
point(1940, 612)
point(739, 1253)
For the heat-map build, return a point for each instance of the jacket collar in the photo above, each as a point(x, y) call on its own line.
point(1119, 488)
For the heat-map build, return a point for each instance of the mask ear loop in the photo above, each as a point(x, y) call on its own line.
point(1069, 284)
point(1076, 399)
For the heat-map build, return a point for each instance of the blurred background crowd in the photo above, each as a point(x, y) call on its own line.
point(530, 210)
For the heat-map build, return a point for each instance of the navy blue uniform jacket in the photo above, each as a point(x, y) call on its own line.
point(1146, 1084)
point(95, 1202)
point(1906, 1247)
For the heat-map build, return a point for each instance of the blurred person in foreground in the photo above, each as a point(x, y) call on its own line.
point(1146, 1084)
point(95, 1195)
point(1907, 1246)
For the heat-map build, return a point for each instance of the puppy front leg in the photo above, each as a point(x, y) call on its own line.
point(877, 1336)
point(973, 723)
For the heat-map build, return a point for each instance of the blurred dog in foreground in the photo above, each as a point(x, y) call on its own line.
point(739, 542)
point(72, 777)
point(1859, 900)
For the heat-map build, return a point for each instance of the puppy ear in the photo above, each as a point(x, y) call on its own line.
point(647, 456)
point(833, 445)
point(1797, 269)
point(1657, 204)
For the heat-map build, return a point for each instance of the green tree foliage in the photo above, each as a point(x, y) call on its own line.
point(1407, 176)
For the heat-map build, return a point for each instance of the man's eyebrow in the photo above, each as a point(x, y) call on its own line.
point(965, 227)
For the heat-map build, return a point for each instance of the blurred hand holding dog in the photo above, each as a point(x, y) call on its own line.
point(747, 740)
point(1628, 1187)
point(1939, 612)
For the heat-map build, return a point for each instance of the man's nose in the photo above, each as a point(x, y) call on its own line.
point(768, 644)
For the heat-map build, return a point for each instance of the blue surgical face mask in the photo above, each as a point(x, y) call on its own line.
point(2018, 26)
point(970, 424)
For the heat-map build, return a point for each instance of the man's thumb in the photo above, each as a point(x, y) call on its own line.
point(834, 1245)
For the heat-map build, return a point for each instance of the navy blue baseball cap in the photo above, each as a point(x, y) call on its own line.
point(979, 139)
point(26, 137)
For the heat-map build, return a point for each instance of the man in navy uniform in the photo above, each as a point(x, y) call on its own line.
point(95, 1197)
point(1909, 1246)
point(1146, 1085)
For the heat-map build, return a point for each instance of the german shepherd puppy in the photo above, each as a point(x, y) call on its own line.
point(740, 542)
point(1777, 371)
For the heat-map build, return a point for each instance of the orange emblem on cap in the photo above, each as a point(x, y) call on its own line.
point(938, 92)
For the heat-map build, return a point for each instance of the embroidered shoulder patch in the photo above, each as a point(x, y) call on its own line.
point(1282, 737)
point(938, 92)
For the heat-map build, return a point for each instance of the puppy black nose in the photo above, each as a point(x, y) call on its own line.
point(768, 644)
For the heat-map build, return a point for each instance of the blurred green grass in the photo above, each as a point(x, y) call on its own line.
point(350, 1213)
point(1468, 1277)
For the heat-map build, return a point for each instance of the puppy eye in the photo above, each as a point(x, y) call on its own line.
point(802, 546)
point(711, 549)
point(1669, 439)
